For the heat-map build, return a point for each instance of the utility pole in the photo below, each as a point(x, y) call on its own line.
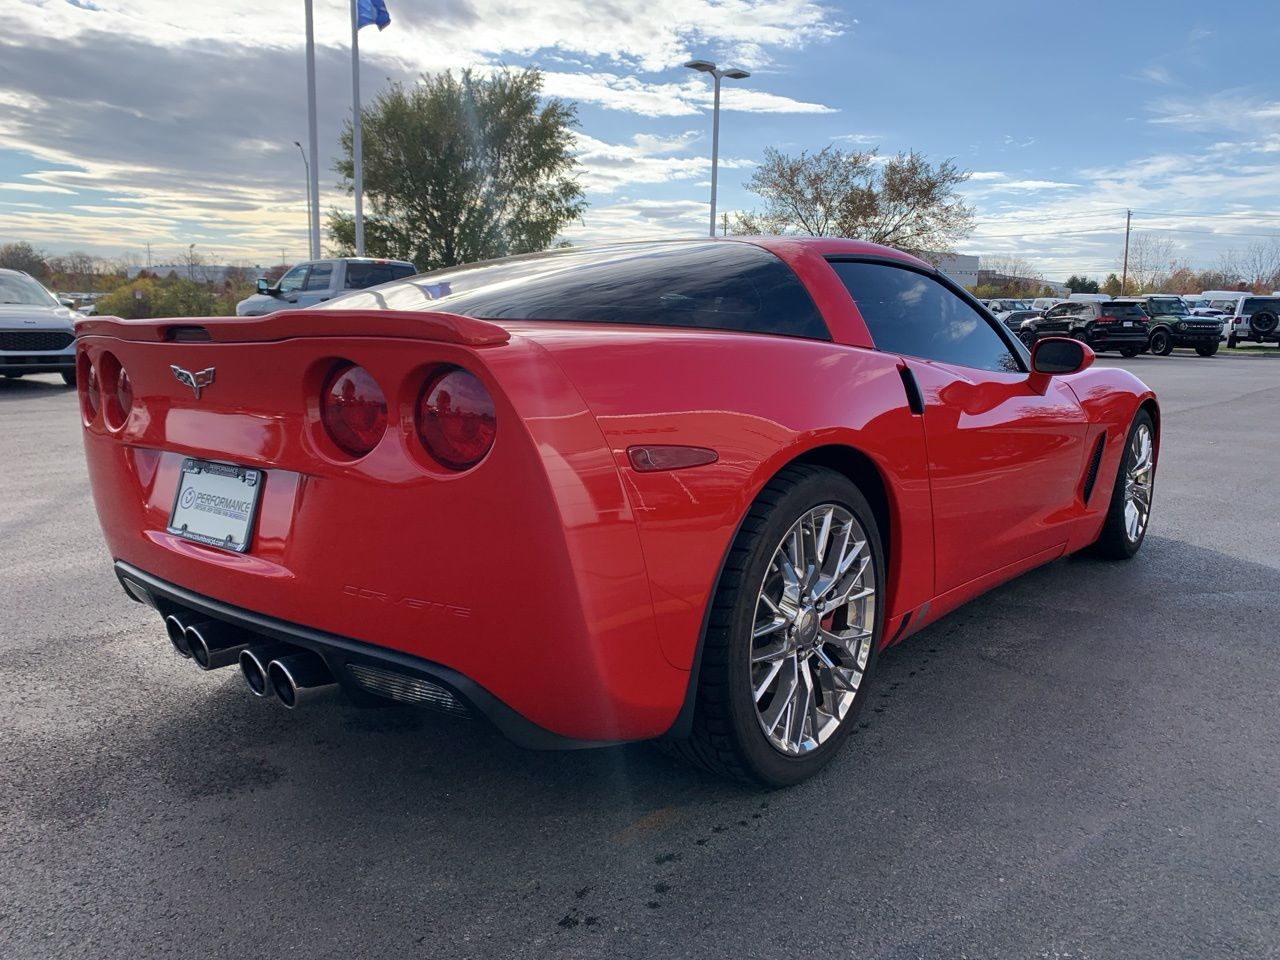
point(1124, 274)
point(148, 257)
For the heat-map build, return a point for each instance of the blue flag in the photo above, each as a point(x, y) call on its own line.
point(372, 12)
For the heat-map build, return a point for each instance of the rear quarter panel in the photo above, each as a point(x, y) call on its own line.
point(760, 402)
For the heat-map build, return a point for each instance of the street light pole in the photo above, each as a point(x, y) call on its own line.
point(706, 66)
point(313, 138)
point(307, 167)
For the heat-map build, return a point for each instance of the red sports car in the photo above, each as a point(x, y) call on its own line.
point(684, 489)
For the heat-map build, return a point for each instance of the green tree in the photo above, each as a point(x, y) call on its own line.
point(1111, 285)
point(1081, 284)
point(22, 256)
point(903, 201)
point(458, 169)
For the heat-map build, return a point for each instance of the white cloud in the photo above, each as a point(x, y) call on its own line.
point(647, 34)
point(607, 167)
point(1029, 185)
point(642, 220)
point(33, 188)
point(1226, 110)
point(689, 97)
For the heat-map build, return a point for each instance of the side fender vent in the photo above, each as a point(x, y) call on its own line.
point(1095, 461)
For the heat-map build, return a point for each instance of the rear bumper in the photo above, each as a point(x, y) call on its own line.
point(1119, 339)
point(342, 653)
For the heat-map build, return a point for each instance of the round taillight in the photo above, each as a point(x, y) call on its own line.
point(353, 410)
point(87, 373)
point(456, 420)
point(124, 394)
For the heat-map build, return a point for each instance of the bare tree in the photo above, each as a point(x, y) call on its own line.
point(1260, 265)
point(903, 201)
point(1009, 265)
point(1151, 259)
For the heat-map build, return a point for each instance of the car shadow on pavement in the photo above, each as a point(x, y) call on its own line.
point(1031, 716)
point(26, 387)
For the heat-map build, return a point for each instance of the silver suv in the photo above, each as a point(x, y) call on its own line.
point(1254, 318)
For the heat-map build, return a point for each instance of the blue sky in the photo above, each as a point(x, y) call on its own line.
point(124, 122)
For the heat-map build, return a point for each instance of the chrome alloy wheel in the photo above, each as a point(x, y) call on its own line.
point(1137, 484)
point(815, 616)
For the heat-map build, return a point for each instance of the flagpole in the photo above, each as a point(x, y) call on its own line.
point(313, 140)
point(356, 123)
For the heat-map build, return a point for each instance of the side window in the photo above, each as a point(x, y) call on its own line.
point(361, 275)
point(320, 276)
point(913, 314)
point(1056, 312)
point(294, 279)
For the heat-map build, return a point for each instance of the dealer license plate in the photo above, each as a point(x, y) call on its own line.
point(1128, 323)
point(216, 504)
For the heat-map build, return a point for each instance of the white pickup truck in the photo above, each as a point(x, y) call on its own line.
point(315, 281)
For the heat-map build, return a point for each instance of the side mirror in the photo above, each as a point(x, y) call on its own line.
point(265, 287)
point(67, 302)
point(1059, 356)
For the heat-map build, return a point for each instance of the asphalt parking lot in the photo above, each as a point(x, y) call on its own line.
point(1085, 764)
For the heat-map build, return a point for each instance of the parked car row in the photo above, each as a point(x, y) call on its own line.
point(1155, 323)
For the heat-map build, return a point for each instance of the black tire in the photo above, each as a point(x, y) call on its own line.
point(1127, 352)
point(69, 377)
point(1161, 343)
point(1231, 341)
point(1207, 351)
point(1114, 542)
point(727, 737)
point(1028, 339)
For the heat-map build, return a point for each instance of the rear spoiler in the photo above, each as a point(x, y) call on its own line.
point(292, 324)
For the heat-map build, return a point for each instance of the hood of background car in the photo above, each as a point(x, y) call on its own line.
point(25, 316)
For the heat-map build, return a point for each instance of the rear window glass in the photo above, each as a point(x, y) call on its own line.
point(1171, 306)
point(1123, 311)
point(725, 286)
point(361, 275)
point(1254, 304)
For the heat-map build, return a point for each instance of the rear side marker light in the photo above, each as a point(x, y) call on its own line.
point(353, 410)
point(456, 419)
point(651, 459)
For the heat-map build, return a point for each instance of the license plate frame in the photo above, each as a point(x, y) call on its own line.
point(225, 496)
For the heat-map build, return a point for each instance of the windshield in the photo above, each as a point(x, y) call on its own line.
point(16, 288)
point(1167, 306)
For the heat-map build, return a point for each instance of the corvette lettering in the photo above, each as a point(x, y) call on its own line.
point(413, 603)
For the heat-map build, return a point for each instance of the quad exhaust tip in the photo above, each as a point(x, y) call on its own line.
point(300, 678)
point(254, 663)
point(177, 632)
point(214, 644)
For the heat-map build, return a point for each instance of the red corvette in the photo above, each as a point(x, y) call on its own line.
point(685, 489)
